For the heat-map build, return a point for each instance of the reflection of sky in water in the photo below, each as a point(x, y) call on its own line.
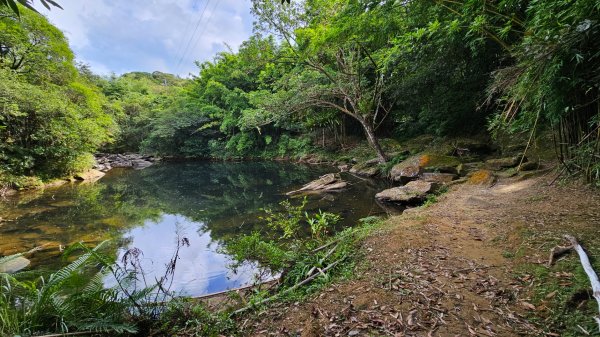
point(200, 268)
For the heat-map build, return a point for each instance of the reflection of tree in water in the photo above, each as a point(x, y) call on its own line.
point(225, 197)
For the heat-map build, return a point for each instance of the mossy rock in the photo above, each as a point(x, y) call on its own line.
point(435, 162)
point(369, 168)
point(504, 163)
point(412, 167)
point(482, 177)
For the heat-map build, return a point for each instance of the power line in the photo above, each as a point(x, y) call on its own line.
point(214, 8)
point(183, 37)
point(192, 36)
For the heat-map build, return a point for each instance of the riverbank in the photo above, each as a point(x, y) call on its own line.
point(471, 264)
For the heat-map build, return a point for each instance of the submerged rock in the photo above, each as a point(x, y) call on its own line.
point(414, 191)
point(89, 176)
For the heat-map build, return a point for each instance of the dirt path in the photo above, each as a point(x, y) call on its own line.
point(441, 270)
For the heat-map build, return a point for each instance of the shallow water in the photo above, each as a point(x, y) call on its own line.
point(207, 203)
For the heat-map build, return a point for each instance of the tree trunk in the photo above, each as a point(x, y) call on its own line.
point(373, 141)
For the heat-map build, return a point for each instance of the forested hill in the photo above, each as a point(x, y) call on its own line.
point(316, 76)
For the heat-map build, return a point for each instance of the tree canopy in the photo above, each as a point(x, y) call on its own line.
point(318, 75)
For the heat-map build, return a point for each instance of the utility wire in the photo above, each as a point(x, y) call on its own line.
point(210, 15)
point(192, 36)
point(184, 36)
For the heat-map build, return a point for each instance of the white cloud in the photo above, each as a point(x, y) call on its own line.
point(142, 35)
point(200, 269)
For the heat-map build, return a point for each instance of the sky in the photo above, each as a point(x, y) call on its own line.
point(151, 35)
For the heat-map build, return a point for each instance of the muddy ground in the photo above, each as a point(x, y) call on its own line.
point(458, 267)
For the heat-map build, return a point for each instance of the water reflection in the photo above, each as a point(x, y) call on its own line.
point(209, 202)
point(200, 269)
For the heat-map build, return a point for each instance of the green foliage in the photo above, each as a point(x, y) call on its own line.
point(299, 257)
point(13, 4)
point(288, 220)
point(51, 119)
point(433, 197)
point(189, 318)
point(73, 298)
point(49, 130)
point(321, 223)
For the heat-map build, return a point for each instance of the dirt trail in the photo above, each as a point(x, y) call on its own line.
point(440, 270)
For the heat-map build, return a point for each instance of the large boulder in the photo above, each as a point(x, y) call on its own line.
point(503, 163)
point(412, 167)
point(529, 166)
point(411, 193)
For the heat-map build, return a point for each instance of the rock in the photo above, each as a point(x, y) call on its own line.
point(412, 167)
point(508, 173)
point(105, 162)
point(529, 166)
point(502, 163)
point(442, 178)
point(369, 168)
point(414, 191)
point(466, 168)
point(482, 177)
point(328, 182)
point(533, 174)
point(344, 168)
point(12, 264)
point(140, 164)
point(438, 163)
point(405, 172)
point(90, 176)
point(472, 147)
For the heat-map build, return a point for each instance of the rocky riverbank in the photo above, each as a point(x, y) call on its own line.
point(107, 161)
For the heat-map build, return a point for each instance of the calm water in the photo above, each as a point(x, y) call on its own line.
point(207, 203)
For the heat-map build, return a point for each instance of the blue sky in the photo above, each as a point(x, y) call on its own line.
point(148, 35)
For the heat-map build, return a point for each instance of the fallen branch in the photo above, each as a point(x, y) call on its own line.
point(312, 270)
point(589, 270)
point(557, 252)
point(328, 182)
point(292, 288)
point(325, 246)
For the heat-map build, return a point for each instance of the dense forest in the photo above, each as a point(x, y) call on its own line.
point(315, 76)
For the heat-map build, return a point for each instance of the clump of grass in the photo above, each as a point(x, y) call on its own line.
point(434, 197)
point(560, 294)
